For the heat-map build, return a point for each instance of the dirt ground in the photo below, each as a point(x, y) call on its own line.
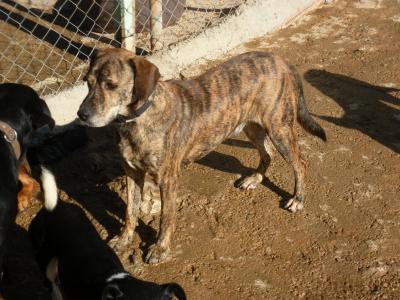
point(233, 244)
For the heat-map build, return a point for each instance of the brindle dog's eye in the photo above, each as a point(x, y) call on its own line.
point(111, 85)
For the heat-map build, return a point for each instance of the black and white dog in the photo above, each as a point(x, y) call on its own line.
point(75, 258)
point(21, 113)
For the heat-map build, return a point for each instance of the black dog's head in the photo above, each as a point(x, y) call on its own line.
point(130, 288)
point(15, 96)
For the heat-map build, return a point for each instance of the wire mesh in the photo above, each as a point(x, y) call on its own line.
point(47, 43)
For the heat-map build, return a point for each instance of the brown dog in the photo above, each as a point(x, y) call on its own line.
point(165, 123)
point(27, 185)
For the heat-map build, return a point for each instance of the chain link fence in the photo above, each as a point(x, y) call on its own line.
point(46, 43)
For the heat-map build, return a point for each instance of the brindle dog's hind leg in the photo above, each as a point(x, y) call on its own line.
point(134, 187)
point(285, 142)
point(259, 138)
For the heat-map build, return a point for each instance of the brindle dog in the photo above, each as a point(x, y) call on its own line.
point(165, 123)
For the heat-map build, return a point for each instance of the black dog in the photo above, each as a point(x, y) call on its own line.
point(70, 251)
point(21, 113)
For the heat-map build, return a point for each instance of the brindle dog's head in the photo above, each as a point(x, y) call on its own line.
point(117, 80)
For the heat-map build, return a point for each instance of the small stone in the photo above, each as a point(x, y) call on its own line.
point(258, 283)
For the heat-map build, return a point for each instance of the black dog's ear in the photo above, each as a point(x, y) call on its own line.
point(40, 114)
point(173, 290)
point(41, 119)
point(146, 76)
point(111, 292)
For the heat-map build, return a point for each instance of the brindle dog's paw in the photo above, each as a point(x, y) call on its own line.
point(157, 255)
point(294, 205)
point(250, 182)
point(120, 242)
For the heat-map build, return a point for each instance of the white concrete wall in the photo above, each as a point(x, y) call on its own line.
point(64, 105)
point(254, 19)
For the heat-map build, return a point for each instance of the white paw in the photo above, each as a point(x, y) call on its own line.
point(251, 182)
point(294, 205)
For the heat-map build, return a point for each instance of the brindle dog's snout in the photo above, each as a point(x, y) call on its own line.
point(83, 113)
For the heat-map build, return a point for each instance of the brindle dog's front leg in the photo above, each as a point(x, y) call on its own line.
point(134, 188)
point(160, 251)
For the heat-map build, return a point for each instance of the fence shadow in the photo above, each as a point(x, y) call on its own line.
point(81, 16)
point(84, 176)
point(81, 21)
point(367, 108)
point(46, 34)
point(225, 11)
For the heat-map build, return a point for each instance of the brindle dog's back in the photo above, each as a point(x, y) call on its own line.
point(244, 89)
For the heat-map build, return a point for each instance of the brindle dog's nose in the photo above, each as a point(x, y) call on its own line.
point(83, 114)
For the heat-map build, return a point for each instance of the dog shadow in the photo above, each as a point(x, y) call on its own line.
point(238, 143)
point(230, 164)
point(85, 174)
point(367, 108)
point(147, 235)
point(23, 279)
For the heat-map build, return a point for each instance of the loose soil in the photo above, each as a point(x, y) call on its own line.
point(233, 244)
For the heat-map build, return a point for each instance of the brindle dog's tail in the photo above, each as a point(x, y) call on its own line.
point(307, 122)
point(304, 118)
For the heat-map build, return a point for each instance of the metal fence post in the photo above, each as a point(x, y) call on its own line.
point(128, 24)
point(156, 23)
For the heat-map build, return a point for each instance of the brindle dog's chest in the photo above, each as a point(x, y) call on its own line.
point(140, 148)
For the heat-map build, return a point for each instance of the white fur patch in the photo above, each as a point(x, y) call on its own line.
point(49, 189)
point(121, 275)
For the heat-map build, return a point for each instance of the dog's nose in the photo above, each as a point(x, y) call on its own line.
point(83, 114)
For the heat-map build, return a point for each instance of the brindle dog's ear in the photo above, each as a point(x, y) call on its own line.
point(92, 58)
point(146, 76)
point(93, 55)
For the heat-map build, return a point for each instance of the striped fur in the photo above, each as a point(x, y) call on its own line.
point(190, 118)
